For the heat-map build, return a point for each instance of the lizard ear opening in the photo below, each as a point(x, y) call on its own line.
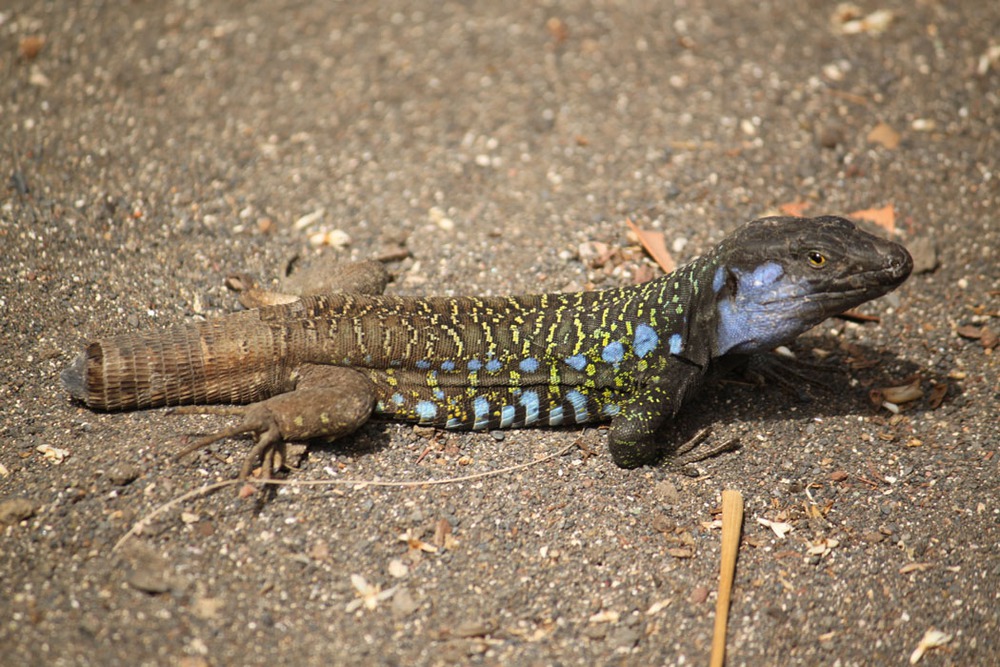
point(732, 284)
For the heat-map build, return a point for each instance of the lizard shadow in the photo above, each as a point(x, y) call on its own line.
point(841, 385)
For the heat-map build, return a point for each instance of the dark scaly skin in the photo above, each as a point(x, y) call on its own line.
point(632, 355)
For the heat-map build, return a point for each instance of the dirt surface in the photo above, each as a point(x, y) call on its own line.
point(149, 149)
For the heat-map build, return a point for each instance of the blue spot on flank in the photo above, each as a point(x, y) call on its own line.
point(474, 364)
point(529, 365)
point(529, 399)
point(579, 403)
point(439, 394)
point(719, 279)
point(493, 365)
point(368, 360)
point(556, 416)
point(645, 341)
point(613, 352)
point(676, 344)
point(398, 399)
point(577, 362)
point(481, 409)
point(453, 422)
point(611, 409)
point(423, 364)
point(426, 411)
point(448, 365)
point(507, 416)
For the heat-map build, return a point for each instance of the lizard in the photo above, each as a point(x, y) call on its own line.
point(321, 365)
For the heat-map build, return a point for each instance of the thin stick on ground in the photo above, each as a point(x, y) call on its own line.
point(732, 523)
point(139, 525)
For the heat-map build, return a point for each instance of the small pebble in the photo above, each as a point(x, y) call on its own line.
point(16, 510)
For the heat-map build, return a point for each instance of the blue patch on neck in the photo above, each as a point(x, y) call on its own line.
point(764, 275)
point(762, 315)
point(719, 279)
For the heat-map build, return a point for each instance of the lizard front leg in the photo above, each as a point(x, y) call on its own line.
point(328, 402)
point(632, 437)
point(366, 277)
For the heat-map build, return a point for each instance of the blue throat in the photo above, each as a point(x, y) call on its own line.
point(762, 315)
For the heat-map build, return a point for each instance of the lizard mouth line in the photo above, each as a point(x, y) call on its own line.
point(886, 279)
point(820, 298)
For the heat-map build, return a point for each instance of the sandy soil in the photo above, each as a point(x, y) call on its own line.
point(149, 149)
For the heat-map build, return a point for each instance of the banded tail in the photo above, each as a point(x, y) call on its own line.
point(228, 360)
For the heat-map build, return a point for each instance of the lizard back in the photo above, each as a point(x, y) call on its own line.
point(457, 362)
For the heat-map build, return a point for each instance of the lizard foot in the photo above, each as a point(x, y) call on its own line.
point(690, 453)
point(269, 445)
point(788, 373)
point(367, 277)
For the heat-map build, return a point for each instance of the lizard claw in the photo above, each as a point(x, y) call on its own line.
point(689, 453)
point(269, 446)
point(270, 449)
point(788, 373)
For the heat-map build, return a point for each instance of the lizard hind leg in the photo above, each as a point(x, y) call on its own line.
point(331, 402)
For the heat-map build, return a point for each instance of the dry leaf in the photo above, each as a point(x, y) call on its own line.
point(52, 454)
point(207, 608)
point(655, 245)
point(442, 531)
point(969, 331)
point(848, 19)
point(932, 639)
point(915, 567)
point(989, 339)
point(989, 58)
point(884, 217)
point(795, 208)
point(657, 607)
point(608, 616)
point(822, 546)
point(780, 528)
point(904, 393)
point(31, 46)
point(884, 134)
point(368, 596)
point(37, 78)
point(558, 30)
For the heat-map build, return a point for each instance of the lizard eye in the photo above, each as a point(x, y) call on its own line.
point(816, 259)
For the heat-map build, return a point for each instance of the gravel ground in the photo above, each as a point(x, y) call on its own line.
point(149, 149)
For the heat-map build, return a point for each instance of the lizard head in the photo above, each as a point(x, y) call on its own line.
point(775, 278)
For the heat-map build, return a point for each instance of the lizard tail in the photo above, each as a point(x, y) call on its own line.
point(225, 361)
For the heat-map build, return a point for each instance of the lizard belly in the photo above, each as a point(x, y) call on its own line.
point(463, 406)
